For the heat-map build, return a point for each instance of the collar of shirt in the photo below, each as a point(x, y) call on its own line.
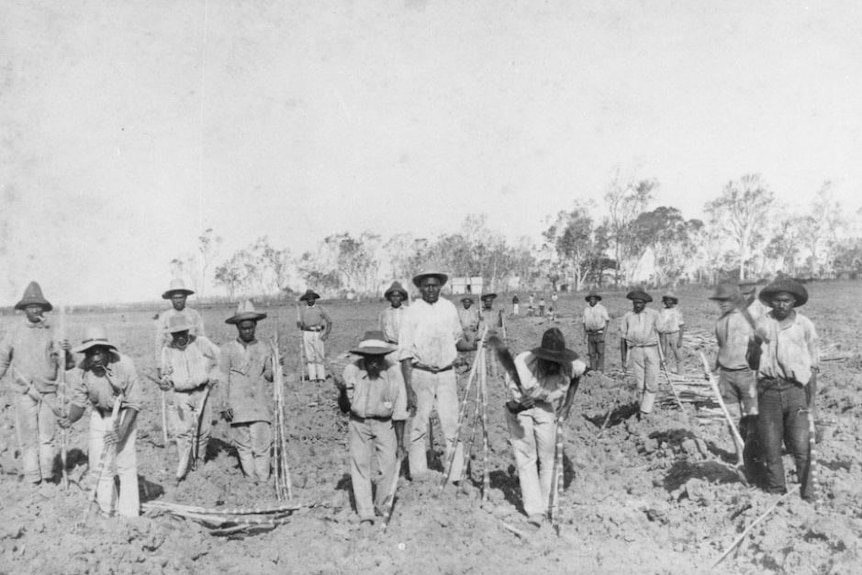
point(244, 344)
point(38, 325)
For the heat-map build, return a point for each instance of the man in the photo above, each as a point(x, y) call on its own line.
point(177, 294)
point(544, 394)
point(671, 329)
point(378, 409)
point(190, 367)
point(516, 304)
point(247, 397)
point(596, 320)
point(103, 378)
point(787, 367)
point(30, 351)
point(470, 318)
point(315, 323)
point(531, 303)
point(492, 318)
point(736, 380)
point(542, 306)
point(756, 308)
point(430, 340)
point(392, 317)
point(639, 345)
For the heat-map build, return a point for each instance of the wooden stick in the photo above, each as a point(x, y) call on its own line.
point(737, 438)
point(557, 478)
point(198, 421)
point(469, 449)
point(61, 395)
point(164, 417)
point(390, 499)
point(483, 392)
point(669, 382)
point(103, 458)
point(750, 527)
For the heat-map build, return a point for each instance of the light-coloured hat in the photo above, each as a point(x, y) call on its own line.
point(466, 298)
point(671, 296)
point(95, 336)
point(177, 286)
point(245, 311)
point(179, 323)
point(33, 296)
point(374, 343)
point(430, 272)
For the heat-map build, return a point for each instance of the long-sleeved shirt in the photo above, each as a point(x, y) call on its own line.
point(641, 329)
point(381, 397)
point(670, 320)
point(247, 389)
point(550, 389)
point(469, 318)
point(29, 349)
point(314, 318)
point(390, 322)
point(100, 391)
point(430, 332)
point(163, 336)
point(192, 366)
point(792, 349)
point(732, 333)
point(596, 317)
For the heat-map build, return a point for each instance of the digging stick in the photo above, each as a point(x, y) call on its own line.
point(483, 392)
point(469, 449)
point(810, 477)
point(61, 392)
point(557, 478)
point(390, 499)
point(199, 416)
point(737, 438)
point(103, 458)
point(669, 381)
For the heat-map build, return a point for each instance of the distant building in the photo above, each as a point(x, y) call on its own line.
point(471, 285)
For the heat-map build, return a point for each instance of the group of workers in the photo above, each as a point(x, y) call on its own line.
point(767, 364)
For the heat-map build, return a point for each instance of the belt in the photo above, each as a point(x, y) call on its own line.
point(595, 331)
point(430, 369)
point(316, 328)
point(374, 417)
point(642, 344)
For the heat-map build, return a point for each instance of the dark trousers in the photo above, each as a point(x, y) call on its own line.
point(596, 350)
point(783, 418)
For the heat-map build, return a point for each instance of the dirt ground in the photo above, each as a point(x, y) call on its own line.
point(659, 498)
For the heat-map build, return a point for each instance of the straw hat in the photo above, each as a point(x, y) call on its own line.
point(725, 292)
point(245, 311)
point(430, 272)
point(177, 286)
point(33, 296)
point(395, 288)
point(179, 323)
point(639, 294)
point(793, 287)
point(671, 296)
point(593, 293)
point(309, 294)
point(466, 298)
point(554, 348)
point(374, 343)
point(95, 336)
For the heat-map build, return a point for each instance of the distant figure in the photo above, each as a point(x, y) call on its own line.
point(516, 304)
point(670, 330)
point(542, 306)
point(470, 319)
point(177, 293)
point(596, 320)
point(494, 320)
point(315, 323)
point(531, 304)
point(392, 317)
point(639, 347)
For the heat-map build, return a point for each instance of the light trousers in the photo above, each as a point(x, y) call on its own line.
point(37, 425)
point(120, 460)
point(314, 354)
point(188, 405)
point(371, 438)
point(532, 435)
point(431, 389)
point(253, 441)
point(644, 362)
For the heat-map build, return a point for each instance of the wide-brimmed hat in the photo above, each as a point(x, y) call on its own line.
point(747, 286)
point(639, 294)
point(671, 296)
point(486, 296)
point(725, 292)
point(374, 343)
point(177, 286)
point(179, 323)
point(33, 296)
point(396, 287)
point(554, 348)
point(466, 298)
point(430, 272)
point(593, 293)
point(245, 311)
point(791, 286)
point(95, 336)
point(309, 294)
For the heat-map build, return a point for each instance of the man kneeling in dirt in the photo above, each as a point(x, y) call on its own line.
point(247, 396)
point(189, 366)
point(377, 401)
point(108, 381)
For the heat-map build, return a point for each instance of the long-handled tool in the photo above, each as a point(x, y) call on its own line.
point(663, 365)
point(104, 457)
point(283, 483)
point(165, 435)
point(557, 479)
point(198, 423)
point(61, 392)
point(390, 499)
point(737, 438)
point(809, 480)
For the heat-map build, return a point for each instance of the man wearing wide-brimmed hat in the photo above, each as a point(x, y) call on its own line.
point(103, 378)
point(246, 394)
point(430, 340)
point(639, 348)
point(393, 316)
point(671, 328)
point(378, 409)
point(470, 319)
point(494, 320)
point(177, 293)
point(189, 365)
point(596, 320)
point(31, 352)
point(315, 323)
point(787, 368)
point(546, 375)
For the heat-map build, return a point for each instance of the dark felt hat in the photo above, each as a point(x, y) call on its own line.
point(725, 292)
point(177, 286)
point(245, 311)
point(374, 343)
point(33, 296)
point(554, 348)
point(309, 294)
point(430, 272)
point(486, 296)
point(791, 286)
point(466, 298)
point(396, 287)
point(639, 294)
point(593, 293)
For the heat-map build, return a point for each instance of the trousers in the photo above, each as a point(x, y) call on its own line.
point(668, 343)
point(314, 354)
point(532, 435)
point(440, 389)
point(371, 439)
point(783, 418)
point(37, 424)
point(120, 460)
point(188, 405)
point(253, 441)
point(596, 350)
point(644, 362)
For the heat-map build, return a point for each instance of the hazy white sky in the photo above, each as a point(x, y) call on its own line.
point(129, 127)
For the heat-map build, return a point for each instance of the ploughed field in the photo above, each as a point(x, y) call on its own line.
point(658, 498)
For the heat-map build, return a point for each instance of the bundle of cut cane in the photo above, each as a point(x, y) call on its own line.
point(226, 521)
point(281, 475)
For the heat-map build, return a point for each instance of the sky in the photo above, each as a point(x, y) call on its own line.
point(130, 127)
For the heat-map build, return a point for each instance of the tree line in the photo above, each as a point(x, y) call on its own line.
point(747, 232)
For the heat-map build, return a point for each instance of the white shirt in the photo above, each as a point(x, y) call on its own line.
point(429, 333)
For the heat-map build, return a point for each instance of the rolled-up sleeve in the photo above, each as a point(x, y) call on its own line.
point(399, 412)
point(131, 385)
point(77, 393)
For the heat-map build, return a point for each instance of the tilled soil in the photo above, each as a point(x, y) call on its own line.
point(661, 496)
